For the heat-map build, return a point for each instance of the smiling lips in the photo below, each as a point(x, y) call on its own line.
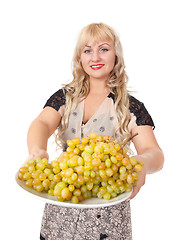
point(97, 66)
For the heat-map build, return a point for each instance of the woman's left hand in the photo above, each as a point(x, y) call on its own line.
point(141, 180)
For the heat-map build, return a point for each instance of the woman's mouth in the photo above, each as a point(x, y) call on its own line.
point(97, 66)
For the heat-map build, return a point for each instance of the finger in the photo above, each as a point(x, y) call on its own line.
point(43, 155)
point(30, 157)
point(135, 191)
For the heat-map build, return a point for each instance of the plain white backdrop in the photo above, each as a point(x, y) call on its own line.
point(36, 47)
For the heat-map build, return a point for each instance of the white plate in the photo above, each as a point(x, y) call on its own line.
point(88, 203)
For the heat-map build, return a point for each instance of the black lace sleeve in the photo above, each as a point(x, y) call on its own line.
point(57, 100)
point(138, 109)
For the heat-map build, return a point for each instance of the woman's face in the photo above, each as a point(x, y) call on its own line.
point(98, 59)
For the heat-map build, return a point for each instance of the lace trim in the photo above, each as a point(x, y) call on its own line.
point(57, 100)
point(141, 113)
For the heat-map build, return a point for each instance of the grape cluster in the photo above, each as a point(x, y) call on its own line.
point(94, 166)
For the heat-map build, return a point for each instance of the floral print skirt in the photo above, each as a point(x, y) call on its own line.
point(61, 223)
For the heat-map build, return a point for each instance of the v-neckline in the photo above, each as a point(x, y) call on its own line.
point(83, 104)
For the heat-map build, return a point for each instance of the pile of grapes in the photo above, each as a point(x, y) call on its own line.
point(94, 166)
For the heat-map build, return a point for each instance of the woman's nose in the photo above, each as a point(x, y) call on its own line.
point(95, 56)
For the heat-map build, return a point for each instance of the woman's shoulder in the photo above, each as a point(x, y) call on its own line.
point(138, 109)
point(57, 99)
point(134, 104)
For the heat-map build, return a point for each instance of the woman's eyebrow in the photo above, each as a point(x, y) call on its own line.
point(104, 44)
point(99, 45)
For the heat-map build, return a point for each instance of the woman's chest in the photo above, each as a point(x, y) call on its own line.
point(103, 121)
point(91, 106)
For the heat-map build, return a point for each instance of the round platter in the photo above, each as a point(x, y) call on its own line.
point(88, 203)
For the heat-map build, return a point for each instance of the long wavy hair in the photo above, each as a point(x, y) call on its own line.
point(79, 87)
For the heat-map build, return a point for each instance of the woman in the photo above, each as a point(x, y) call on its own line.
point(96, 100)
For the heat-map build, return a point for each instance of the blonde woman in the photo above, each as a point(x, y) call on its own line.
point(96, 100)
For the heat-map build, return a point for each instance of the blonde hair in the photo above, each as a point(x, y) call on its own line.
point(79, 87)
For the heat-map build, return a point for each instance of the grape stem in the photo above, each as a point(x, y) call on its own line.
point(127, 140)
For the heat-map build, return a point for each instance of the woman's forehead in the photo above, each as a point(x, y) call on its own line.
point(93, 42)
point(96, 40)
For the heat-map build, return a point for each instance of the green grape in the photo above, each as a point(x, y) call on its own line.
point(132, 161)
point(63, 165)
point(57, 192)
point(39, 188)
point(99, 195)
point(108, 163)
point(93, 135)
point(46, 183)
point(76, 140)
point(95, 189)
point(65, 192)
point(70, 143)
point(111, 180)
point(75, 200)
point(96, 162)
point(83, 188)
point(47, 171)
point(138, 168)
point(23, 170)
point(109, 172)
point(122, 170)
point(88, 149)
point(113, 159)
point(71, 187)
point(56, 178)
point(74, 176)
point(109, 189)
point(77, 192)
point(80, 179)
point(89, 185)
point(102, 173)
point(130, 178)
point(42, 176)
point(84, 140)
point(20, 176)
point(123, 176)
point(61, 199)
point(51, 192)
point(52, 184)
point(40, 165)
point(92, 173)
point(45, 161)
point(28, 183)
point(31, 168)
point(102, 190)
point(27, 176)
point(86, 173)
point(69, 172)
point(56, 169)
point(36, 181)
point(51, 176)
point(107, 196)
point(73, 161)
point(113, 194)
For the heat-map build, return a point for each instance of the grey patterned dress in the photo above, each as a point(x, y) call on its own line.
point(114, 222)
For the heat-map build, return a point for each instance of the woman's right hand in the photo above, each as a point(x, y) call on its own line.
point(38, 153)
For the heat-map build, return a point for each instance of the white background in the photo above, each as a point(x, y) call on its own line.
point(36, 47)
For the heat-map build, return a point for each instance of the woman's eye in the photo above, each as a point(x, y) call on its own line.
point(87, 51)
point(103, 50)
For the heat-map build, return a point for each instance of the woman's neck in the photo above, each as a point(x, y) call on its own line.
point(98, 87)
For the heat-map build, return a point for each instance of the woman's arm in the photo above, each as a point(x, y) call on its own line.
point(40, 130)
point(149, 152)
point(148, 149)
